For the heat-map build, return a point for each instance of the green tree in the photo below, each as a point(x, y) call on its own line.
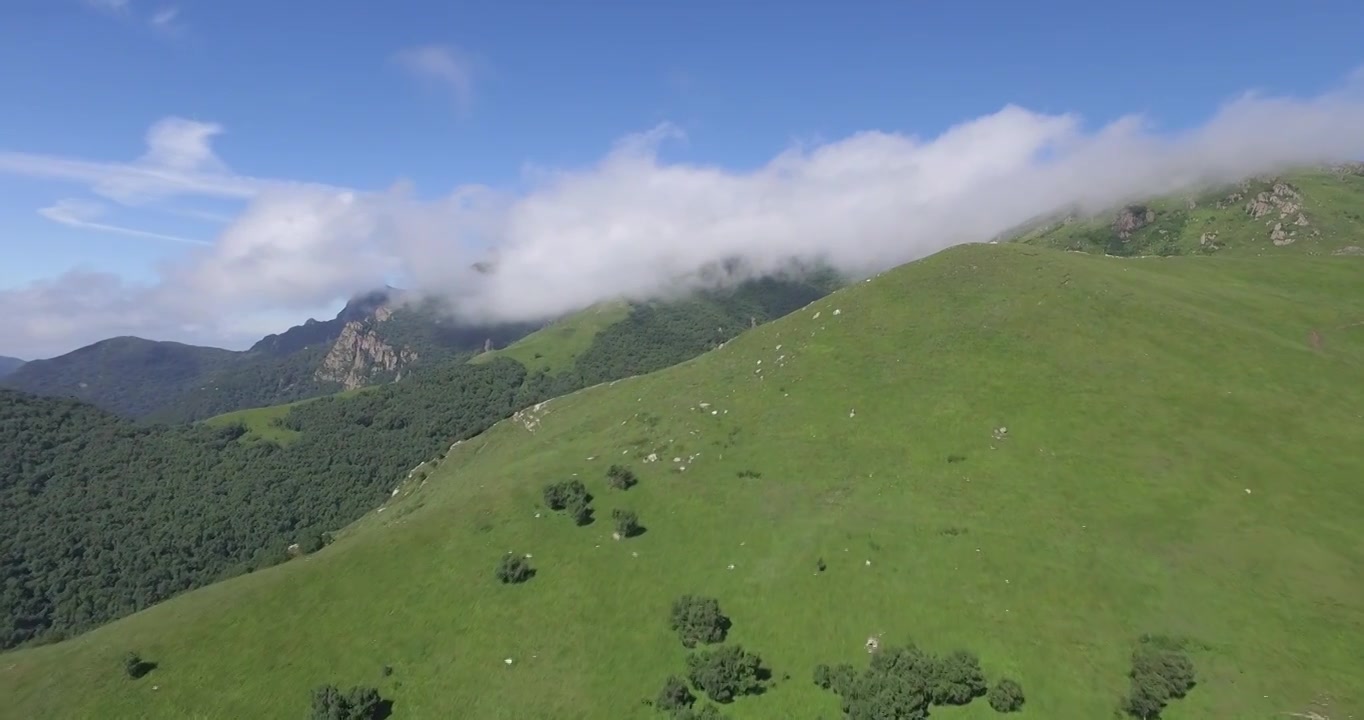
point(959, 679)
point(1006, 696)
point(674, 696)
point(699, 620)
point(359, 703)
point(566, 494)
point(1160, 672)
point(582, 514)
point(627, 523)
point(705, 712)
point(726, 673)
point(514, 568)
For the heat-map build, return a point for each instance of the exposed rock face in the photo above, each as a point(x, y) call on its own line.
point(1281, 198)
point(359, 354)
point(1131, 219)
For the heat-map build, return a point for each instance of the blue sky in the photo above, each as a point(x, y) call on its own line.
point(359, 96)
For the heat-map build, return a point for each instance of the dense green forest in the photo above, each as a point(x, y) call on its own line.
point(105, 517)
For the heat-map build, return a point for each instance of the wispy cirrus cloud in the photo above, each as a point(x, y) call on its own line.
point(447, 67)
point(108, 5)
point(179, 161)
point(166, 20)
point(84, 214)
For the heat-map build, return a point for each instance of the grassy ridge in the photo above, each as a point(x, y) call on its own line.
point(263, 423)
point(1318, 211)
point(1143, 399)
point(554, 348)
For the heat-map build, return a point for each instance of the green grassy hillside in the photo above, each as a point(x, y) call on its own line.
point(267, 423)
point(1182, 457)
point(1313, 212)
point(553, 348)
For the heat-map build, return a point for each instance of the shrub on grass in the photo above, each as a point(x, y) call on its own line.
point(726, 673)
point(621, 477)
point(566, 494)
point(959, 679)
point(135, 666)
point(699, 620)
point(1006, 696)
point(674, 696)
point(359, 703)
point(513, 569)
point(706, 712)
point(627, 522)
point(582, 514)
point(1160, 672)
point(903, 682)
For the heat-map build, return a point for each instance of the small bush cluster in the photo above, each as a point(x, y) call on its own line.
point(513, 569)
point(627, 523)
point(677, 700)
point(726, 673)
point(566, 494)
point(570, 495)
point(1006, 696)
point(620, 477)
point(1160, 672)
point(903, 682)
point(135, 666)
point(699, 620)
point(723, 674)
point(359, 703)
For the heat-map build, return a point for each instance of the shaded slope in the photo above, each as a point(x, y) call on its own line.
point(127, 375)
point(9, 364)
point(1142, 399)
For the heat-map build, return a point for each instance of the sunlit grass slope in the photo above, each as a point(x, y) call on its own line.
point(1184, 455)
point(263, 422)
point(1313, 211)
point(554, 347)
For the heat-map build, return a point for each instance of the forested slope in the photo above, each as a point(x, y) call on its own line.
point(110, 517)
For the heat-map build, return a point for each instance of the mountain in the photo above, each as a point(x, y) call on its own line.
point(1046, 459)
point(124, 374)
point(375, 338)
point(91, 496)
point(1313, 211)
point(9, 365)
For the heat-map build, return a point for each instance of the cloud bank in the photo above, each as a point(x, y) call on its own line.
point(629, 224)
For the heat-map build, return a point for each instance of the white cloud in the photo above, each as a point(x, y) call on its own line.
point(164, 19)
point(448, 67)
point(179, 161)
point(108, 5)
point(627, 225)
point(82, 214)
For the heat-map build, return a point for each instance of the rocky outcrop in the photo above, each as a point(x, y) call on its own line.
point(1281, 198)
point(1131, 219)
point(359, 354)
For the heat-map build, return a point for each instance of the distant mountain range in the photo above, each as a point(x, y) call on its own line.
point(375, 338)
point(9, 364)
